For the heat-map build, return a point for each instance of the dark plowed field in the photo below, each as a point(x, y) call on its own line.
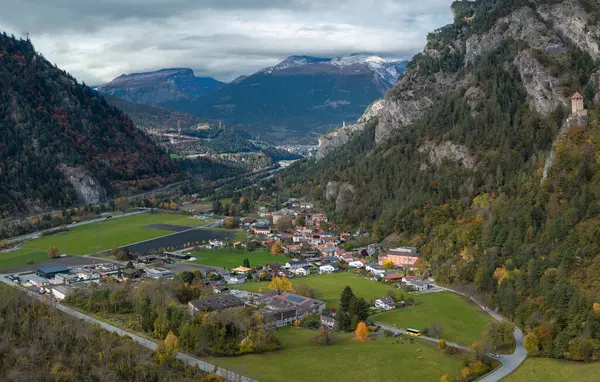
point(168, 227)
point(178, 239)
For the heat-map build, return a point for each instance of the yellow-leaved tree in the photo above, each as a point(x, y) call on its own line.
point(281, 283)
point(388, 264)
point(362, 331)
point(276, 248)
point(52, 252)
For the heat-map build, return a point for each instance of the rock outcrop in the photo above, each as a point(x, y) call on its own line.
point(88, 189)
point(437, 153)
point(331, 141)
point(339, 193)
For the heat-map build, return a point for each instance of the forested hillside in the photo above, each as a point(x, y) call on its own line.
point(39, 343)
point(61, 142)
point(476, 161)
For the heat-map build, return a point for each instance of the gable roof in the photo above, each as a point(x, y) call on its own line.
point(577, 96)
point(217, 302)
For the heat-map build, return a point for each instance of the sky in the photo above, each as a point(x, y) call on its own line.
point(98, 40)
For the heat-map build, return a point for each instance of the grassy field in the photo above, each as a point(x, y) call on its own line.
point(81, 240)
point(461, 320)
point(383, 359)
point(331, 287)
point(232, 258)
point(550, 370)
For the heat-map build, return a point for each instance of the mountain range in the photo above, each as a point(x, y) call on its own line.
point(486, 157)
point(295, 100)
point(175, 84)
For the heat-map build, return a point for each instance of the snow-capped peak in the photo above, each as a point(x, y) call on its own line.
point(357, 59)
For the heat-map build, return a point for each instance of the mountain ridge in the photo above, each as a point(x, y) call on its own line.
point(61, 143)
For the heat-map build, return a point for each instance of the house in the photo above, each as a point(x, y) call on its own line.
point(405, 257)
point(299, 238)
point(356, 264)
point(239, 244)
point(242, 269)
point(386, 303)
point(346, 257)
point(375, 268)
point(306, 206)
point(317, 219)
point(295, 264)
point(220, 289)
point(407, 279)
point(284, 301)
point(302, 271)
point(233, 280)
point(225, 301)
point(393, 277)
point(345, 235)
point(329, 259)
point(261, 230)
point(131, 274)
point(60, 292)
point(419, 285)
point(273, 266)
point(294, 249)
point(328, 268)
point(316, 239)
point(327, 322)
point(278, 318)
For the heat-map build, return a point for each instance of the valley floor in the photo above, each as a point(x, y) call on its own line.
point(381, 359)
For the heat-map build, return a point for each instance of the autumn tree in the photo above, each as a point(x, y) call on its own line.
point(446, 378)
point(167, 349)
point(281, 283)
point(388, 264)
point(362, 331)
point(53, 252)
point(441, 344)
point(323, 337)
point(276, 248)
point(231, 223)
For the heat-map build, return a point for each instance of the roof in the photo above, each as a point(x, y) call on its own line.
point(393, 276)
point(241, 269)
point(217, 302)
point(53, 269)
point(577, 96)
point(387, 300)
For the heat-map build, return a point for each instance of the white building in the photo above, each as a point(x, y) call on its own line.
point(419, 285)
point(157, 273)
point(60, 292)
point(386, 303)
point(304, 271)
point(356, 264)
point(328, 268)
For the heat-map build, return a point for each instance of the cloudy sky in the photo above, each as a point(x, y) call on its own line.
point(97, 40)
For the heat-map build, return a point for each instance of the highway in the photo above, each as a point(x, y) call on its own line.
point(209, 368)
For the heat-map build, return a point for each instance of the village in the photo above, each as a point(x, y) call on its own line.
point(310, 244)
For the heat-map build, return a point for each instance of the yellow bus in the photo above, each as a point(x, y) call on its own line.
point(413, 332)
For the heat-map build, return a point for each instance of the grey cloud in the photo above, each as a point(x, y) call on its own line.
point(101, 39)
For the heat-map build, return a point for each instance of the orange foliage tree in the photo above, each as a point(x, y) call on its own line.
point(362, 331)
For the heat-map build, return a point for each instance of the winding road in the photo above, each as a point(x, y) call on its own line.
point(510, 362)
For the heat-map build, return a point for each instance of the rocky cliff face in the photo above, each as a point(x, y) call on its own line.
point(339, 193)
point(543, 35)
point(87, 188)
point(437, 153)
point(331, 141)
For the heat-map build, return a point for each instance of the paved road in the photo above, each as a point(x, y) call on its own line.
point(37, 234)
point(510, 362)
point(227, 375)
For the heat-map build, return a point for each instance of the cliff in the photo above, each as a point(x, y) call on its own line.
point(542, 36)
